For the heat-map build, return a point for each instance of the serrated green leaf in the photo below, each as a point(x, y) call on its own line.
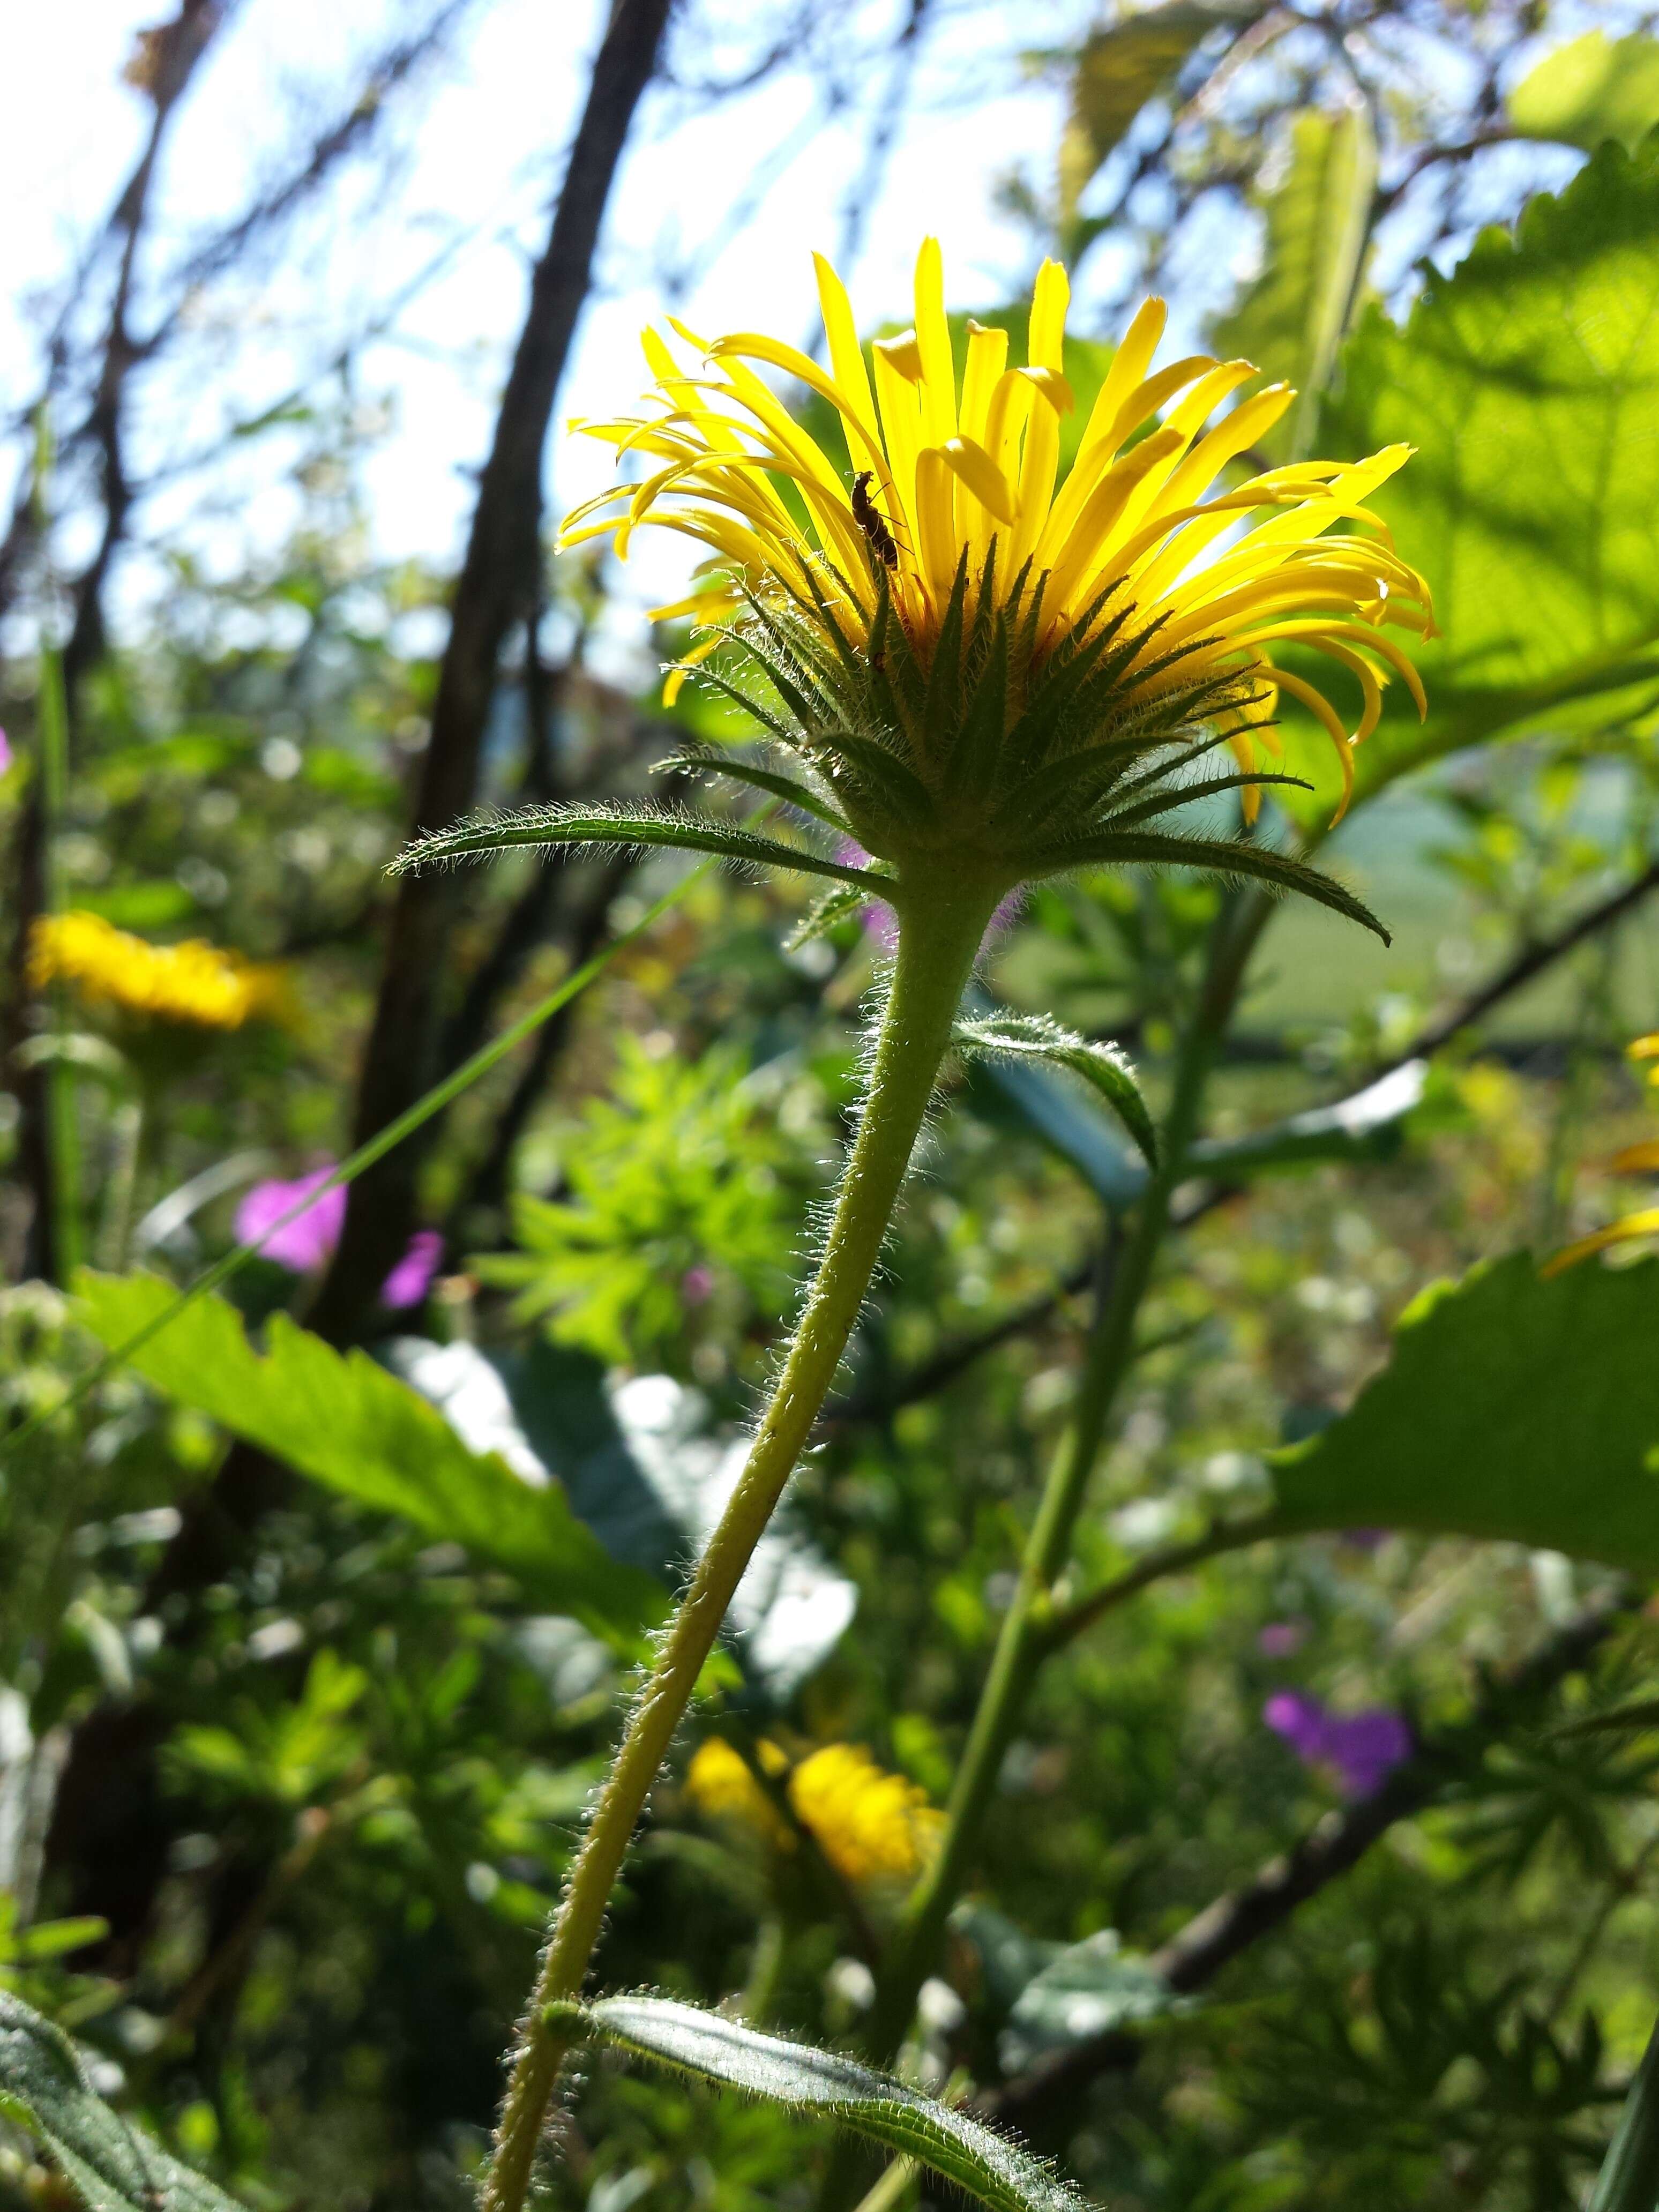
point(1292, 319)
point(344, 1422)
point(111, 2165)
point(1527, 380)
point(1592, 88)
point(1514, 1408)
point(1107, 1071)
point(715, 2048)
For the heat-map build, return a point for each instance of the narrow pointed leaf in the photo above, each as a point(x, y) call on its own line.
point(1629, 2179)
point(111, 2165)
point(712, 2048)
point(545, 828)
point(1106, 1070)
point(1179, 795)
point(894, 785)
point(1215, 856)
point(779, 786)
point(834, 908)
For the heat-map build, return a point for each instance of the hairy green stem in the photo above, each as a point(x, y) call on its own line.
point(937, 945)
point(1028, 1629)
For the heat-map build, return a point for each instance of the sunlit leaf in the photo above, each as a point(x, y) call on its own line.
point(1528, 380)
point(715, 2048)
point(1118, 70)
point(346, 1423)
point(112, 2166)
point(1514, 1408)
point(1292, 319)
point(1592, 88)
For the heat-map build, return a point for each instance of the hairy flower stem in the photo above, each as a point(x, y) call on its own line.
point(1024, 1643)
point(938, 940)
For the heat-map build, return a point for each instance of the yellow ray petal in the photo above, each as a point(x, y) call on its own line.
point(1619, 1232)
point(846, 354)
point(938, 375)
point(974, 467)
point(1638, 1159)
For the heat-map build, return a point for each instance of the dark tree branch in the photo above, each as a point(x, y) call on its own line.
point(402, 1055)
point(1213, 1938)
point(169, 56)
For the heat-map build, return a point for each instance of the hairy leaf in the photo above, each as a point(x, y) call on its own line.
point(1217, 856)
point(547, 827)
point(1514, 1408)
point(111, 2165)
point(1106, 1070)
point(346, 1423)
point(715, 2048)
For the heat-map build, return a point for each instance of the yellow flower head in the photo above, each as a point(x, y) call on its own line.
point(193, 985)
point(870, 1824)
point(1634, 1159)
point(1135, 573)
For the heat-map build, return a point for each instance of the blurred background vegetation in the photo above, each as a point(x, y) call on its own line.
point(292, 1750)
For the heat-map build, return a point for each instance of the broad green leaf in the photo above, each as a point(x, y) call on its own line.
point(1118, 70)
point(1368, 1125)
point(642, 1470)
point(1592, 88)
point(347, 1424)
point(1528, 380)
point(111, 2165)
point(715, 2048)
point(1036, 1037)
point(1292, 318)
point(1514, 1408)
point(1089, 1988)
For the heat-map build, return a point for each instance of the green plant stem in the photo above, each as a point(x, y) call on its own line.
point(1028, 1626)
point(1629, 2179)
point(63, 1130)
point(937, 945)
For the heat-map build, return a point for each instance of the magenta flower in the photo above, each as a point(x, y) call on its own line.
point(1362, 1749)
point(410, 1280)
point(306, 1243)
point(5, 752)
point(1279, 1640)
point(697, 1284)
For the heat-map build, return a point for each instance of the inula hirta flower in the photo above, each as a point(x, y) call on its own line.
point(870, 1824)
point(1634, 1160)
point(981, 673)
point(194, 986)
point(1094, 614)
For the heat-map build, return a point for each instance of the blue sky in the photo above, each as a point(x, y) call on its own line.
point(477, 148)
